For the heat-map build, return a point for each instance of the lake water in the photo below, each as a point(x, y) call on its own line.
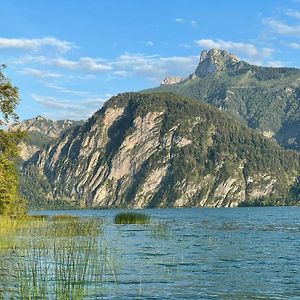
point(203, 253)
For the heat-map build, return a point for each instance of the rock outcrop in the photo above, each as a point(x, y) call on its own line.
point(216, 60)
point(171, 80)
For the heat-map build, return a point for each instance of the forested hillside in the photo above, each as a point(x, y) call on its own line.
point(158, 150)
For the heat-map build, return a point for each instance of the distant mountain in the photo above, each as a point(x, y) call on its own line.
point(263, 98)
point(40, 132)
point(160, 150)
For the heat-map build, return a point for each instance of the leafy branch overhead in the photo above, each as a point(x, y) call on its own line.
point(9, 98)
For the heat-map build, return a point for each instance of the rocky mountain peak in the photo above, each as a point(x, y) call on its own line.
point(216, 54)
point(40, 118)
point(214, 60)
point(171, 80)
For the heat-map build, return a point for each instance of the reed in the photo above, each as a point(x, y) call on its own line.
point(63, 269)
point(63, 259)
point(64, 218)
point(131, 218)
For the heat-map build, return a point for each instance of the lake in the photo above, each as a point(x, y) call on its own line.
point(198, 253)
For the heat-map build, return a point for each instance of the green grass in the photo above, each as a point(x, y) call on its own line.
point(132, 218)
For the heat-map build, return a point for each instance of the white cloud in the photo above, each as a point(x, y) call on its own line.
point(294, 45)
point(87, 95)
point(293, 13)
point(87, 77)
point(121, 74)
point(284, 33)
point(179, 20)
point(149, 67)
point(154, 67)
point(282, 28)
point(84, 63)
point(250, 51)
point(186, 46)
point(52, 102)
point(149, 43)
point(40, 73)
point(35, 44)
point(66, 90)
point(69, 108)
point(193, 23)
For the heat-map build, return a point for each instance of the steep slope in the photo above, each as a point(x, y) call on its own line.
point(41, 131)
point(157, 150)
point(264, 98)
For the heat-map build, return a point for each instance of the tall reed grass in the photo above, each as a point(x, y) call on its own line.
point(131, 218)
point(63, 258)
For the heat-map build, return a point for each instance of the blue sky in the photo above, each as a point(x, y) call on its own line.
point(67, 57)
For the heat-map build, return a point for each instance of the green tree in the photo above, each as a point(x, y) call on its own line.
point(11, 203)
point(9, 98)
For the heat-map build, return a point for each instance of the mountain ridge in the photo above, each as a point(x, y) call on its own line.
point(40, 132)
point(263, 98)
point(160, 150)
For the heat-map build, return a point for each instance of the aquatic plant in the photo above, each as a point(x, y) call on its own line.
point(74, 227)
point(67, 259)
point(131, 218)
point(64, 218)
point(64, 268)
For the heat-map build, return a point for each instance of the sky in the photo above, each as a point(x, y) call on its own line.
point(68, 57)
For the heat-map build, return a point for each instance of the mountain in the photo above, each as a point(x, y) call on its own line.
point(160, 150)
point(263, 98)
point(40, 132)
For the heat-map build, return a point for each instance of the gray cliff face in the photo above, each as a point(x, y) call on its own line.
point(150, 151)
point(41, 131)
point(171, 80)
point(216, 60)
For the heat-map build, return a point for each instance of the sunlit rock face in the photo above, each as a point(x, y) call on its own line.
point(171, 80)
point(215, 60)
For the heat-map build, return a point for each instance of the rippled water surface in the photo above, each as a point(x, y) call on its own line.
point(201, 253)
